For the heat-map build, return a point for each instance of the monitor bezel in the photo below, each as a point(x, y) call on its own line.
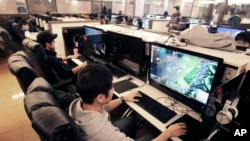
point(230, 27)
point(139, 62)
point(192, 103)
point(92, 28)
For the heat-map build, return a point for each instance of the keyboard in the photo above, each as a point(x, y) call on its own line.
point(116, 72)
point(156, 109)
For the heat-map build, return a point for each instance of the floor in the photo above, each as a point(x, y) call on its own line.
point(14, 123)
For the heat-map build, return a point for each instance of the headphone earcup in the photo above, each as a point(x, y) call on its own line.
point(212, 108)
point(224, 117)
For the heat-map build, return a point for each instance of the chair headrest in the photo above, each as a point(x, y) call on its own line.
point(38, 99)
point(30, 44)
point(39, 84)
point(19, 60)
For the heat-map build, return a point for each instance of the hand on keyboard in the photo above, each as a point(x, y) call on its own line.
point(133, 97)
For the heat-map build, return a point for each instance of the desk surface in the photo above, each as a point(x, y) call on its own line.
point(156, 94)
point(237, 59)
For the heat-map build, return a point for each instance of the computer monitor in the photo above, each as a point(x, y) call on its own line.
point(187, 76)
point(145, 23)
point(93, 45)
point(205, 26)
point(125, 51)
point(232, 30)
point(150, 16)
point(136, 21)
point(194, 20)
point(88, 30)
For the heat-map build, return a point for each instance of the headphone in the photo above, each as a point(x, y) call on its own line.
point(214, 104)
point(228, 112)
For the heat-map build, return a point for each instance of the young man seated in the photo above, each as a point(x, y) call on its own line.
point(90, 112)
point(26, 30)
point(62, 70)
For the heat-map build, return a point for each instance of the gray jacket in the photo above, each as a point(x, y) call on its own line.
point(95, 126)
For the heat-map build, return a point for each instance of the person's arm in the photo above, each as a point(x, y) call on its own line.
point(128, 98)
point(174, 130)
point(29, 35)
point(76, 69)
point(70, 57)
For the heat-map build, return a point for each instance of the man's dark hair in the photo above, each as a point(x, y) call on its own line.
point(22, 22)
point(244, 36)
point(177, 8)
point(93, 80)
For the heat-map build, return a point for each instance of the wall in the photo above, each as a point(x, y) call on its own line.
point(83, 7)
point(8, 7)
point(41, 6)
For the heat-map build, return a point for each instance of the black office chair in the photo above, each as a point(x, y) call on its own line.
point(8, 42)
point(39, 57)
point(21, 66)
point(48, 118)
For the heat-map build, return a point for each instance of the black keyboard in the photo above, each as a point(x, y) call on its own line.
point(116, 72)
point(156, 109)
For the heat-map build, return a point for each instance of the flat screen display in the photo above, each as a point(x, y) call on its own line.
point(92, 31)
point(233, 31)
point(95, 44)
point(189, 74)
point(125, 51)
point(145, 23)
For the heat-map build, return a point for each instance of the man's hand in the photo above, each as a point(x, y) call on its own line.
point(132, 97)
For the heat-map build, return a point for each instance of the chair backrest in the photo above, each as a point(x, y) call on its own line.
point(18, 32)
point(48, 119)
point(8, 42)
point(38, 54)
point(21, 66)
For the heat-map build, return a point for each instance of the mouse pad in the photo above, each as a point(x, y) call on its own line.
point(123, 86)
point(196, 129)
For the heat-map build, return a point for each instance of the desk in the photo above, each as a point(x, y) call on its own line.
point(235, 62)
point(154, 94)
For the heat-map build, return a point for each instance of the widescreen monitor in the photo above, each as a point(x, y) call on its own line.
point(187, 76)
point(88, 30)
point(93, 45)
point(205, 26)
point(232, 30)
point(145, 23)
point(125, 51)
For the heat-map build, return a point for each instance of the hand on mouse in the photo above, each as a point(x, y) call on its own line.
point(132, 97)
point(177, 129)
